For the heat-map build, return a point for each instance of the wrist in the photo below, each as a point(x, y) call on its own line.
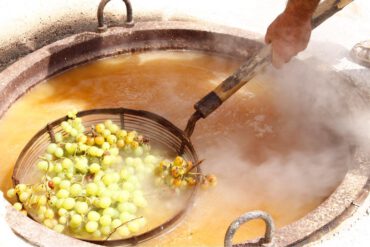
point(301, 10)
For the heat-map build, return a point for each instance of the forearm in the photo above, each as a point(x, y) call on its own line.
point(301, 9)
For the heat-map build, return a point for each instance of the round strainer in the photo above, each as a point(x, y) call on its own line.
point(161, 133)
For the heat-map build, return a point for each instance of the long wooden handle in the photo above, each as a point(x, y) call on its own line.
point(255, 64)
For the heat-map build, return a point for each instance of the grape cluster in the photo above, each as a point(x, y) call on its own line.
point(179, 173)
point(90, 183)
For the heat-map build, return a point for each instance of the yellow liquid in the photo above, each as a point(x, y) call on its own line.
point(234, 141)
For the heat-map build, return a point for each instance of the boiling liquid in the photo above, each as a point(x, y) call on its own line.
point(234, 141)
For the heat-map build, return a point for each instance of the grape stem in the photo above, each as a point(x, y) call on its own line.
point(196, 165)
point(124, 223)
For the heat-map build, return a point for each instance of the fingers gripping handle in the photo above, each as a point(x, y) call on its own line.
point(254, 64)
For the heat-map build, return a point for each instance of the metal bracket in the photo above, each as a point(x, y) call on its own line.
point(266, 241)
point(100, 14)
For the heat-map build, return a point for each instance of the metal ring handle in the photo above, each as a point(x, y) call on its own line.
point(267, 240)
point(129, 19)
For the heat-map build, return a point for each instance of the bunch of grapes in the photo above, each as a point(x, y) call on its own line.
point(179, 174)
point(90, 183)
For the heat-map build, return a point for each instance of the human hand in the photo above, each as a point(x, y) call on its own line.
point(288, 35)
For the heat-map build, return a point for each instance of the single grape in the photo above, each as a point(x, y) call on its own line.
point(20, 187)
point(133, 226)
point(97, 234)
point(105, 230)
point(110, 212)
point(123, 196)
point(62, 212)
point(150, 159)
point(126, 217)
point(24, 196)
point(69, 203)
point(91, 226)
point(81, 207)
point(121, 134)
point(105, 220)
point(99, 128)
point(75, 221)
point(91, 189)
point(75, 190)
point(139, 151)
point(120, 143)
point(18, 206)
point(43, 165)
point(104, 202)
point(123, 231)
point(67, 163)
point(113, 128)
point(99, 140)
point(116, 223)
point(62, 220)
point(105, 146)
point(51, 148)
point(48, 223)
point(11, 193)
point(93, 216)
point(58, 137)
point(59, 152)
point(58, 228)
point(49, 213)
point(65, 184)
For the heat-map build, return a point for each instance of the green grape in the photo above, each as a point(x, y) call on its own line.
point(65, 184)
point(62, 220)
point(24, 196)
point(82, 165)
point(123, 231)
point(67, 163)
point(75, 221)
point(91, 189)
point(18, 206)
point(115, 177)
point(106, 133)
point(110, 212)
point(125, 217)
point(58, 228)
point(107, 160)
point(104, 202)
point(59, 203)
point(20, 187)
point(116, 223)
point(127, 207)
point(121, 133)
point(41, 210)
point(73, 132)
point(91, 226)
point(48, 223)
point(48, 156)
point(93, 216)
point(133, 226)
point(59, 152)
point(108, 123)
point(105, 220)
point(56, 180)
point(62, 212)
point(123, 196)
point(70, 148)
point(105, 230)
point(113, 128)
point(111, 139)
point(51, 148)
point(53, 200)
point(75, 190)
point(81, 207)
point(97, 234)
point(49, 213)
point(58, 167)
point(43, 165)
point(139, 151)
point(58, 137)
point(11, 193)
point(105, 146)
point(108, 179)
point(99, 128)
point(69, 203)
